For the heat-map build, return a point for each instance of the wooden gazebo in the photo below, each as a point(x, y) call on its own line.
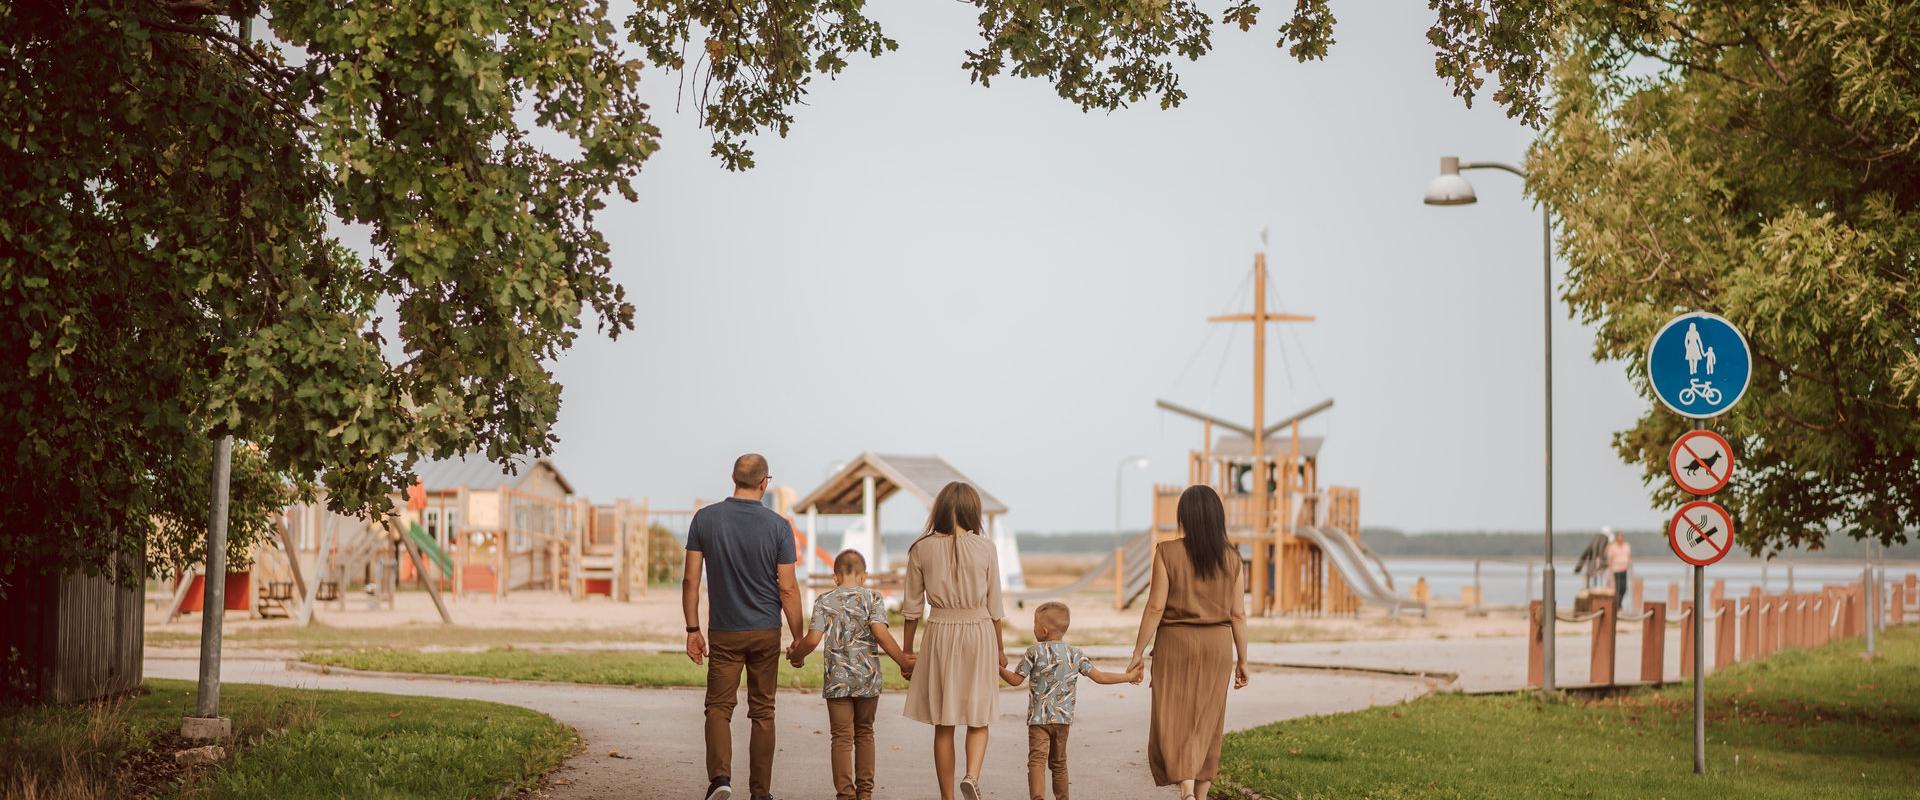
point(868, 480)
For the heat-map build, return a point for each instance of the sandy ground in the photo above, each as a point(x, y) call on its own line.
point(657, 612)
point(656, 732)
point(656, 616)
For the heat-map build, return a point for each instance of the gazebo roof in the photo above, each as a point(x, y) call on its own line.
point(920, 476)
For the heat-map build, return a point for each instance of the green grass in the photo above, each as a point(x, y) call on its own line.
point(599, 667)
point(293, 743)
point(322, 637)
point(1819, 723)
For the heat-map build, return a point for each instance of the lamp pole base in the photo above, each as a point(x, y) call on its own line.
point(198, 728)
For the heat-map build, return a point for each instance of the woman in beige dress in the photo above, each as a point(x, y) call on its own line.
point(956, 679)
point(1196, 620)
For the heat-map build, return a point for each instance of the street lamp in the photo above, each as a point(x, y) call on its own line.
point(1452, 189)
point(1120, 471)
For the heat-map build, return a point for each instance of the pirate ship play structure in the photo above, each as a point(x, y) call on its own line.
point(1301, 540)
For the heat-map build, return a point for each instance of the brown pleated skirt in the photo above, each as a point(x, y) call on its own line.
point(1192, 667)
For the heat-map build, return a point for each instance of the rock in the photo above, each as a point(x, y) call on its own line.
point(199, 756)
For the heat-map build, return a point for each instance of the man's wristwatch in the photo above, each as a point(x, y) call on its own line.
point(693, 629)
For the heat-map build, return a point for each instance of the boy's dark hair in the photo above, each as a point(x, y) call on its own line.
point(848, 562)
point(1055, 616)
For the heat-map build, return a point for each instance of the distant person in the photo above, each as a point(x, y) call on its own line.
point(852, 621)
point(1053, 667)
point(956, 680)
point(1196, 620)
point(1619, 561)
point(747, 551)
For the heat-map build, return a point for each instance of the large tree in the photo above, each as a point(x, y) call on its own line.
point(1759, 159)
point(171, 267)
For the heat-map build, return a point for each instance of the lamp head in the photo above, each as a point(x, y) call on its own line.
point(1450, 188)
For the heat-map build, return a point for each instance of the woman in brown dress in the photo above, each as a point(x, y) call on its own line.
point(956, 681)
point(1196, 619)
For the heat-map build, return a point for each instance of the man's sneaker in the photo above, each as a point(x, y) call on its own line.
point(719, 790)
point(969, 789)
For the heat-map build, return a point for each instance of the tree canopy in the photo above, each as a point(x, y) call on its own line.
point(173, 267)
point(1760, 160)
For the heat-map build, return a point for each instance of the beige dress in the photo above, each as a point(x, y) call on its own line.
point(1193, 659)
point(957, 678)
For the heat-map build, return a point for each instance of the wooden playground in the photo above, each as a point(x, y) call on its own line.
point(467, 528)
point(1302, 540)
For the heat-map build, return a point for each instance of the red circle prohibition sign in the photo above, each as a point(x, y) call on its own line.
point(1688, 529)
point(1686, 460)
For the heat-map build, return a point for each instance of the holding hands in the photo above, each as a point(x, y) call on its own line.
point(798, 650)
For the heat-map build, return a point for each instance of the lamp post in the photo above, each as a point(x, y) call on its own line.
point(1452, 189)
point(1119, 472)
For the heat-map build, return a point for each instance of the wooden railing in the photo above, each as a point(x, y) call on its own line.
point(1743, 628)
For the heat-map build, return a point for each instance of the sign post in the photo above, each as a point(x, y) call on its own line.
point(1699, 366)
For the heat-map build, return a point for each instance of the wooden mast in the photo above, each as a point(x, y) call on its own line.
point(1263, 600)
point(1261, 481)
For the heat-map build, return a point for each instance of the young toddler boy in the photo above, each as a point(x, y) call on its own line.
point(852, 620)
point(1053, 667)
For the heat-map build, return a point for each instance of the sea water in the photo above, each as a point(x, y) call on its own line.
point(1504, 582)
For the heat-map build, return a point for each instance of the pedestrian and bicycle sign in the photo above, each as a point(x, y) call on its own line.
point(1699, 365)
point(1701, 533)
point(1701, 462)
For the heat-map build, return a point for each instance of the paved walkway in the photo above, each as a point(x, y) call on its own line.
point(658, 730)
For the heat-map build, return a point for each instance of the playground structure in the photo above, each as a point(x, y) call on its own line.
point(1305, 554)
point(858, 489)
point(1303, 541)
point(467, 527)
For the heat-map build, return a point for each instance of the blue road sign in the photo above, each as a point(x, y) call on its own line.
point(1699, 365)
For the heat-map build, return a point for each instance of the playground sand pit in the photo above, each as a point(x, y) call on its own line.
point(532, 618)
point(1096, 621)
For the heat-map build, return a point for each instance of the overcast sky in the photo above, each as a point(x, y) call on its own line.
point(928, 266)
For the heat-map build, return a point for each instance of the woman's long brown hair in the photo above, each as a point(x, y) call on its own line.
point(956, 510)
point(1204, 522)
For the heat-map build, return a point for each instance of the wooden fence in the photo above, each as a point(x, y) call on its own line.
point(1743, 628)
point(69, 637)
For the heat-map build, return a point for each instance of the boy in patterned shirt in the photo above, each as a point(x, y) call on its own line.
point(852, 620)
point(1054, 667)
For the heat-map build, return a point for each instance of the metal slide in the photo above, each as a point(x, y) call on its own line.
point(1345, 555)
point(1139, 573)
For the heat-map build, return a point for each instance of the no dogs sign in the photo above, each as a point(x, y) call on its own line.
point(1701, 533)
point(1701, 462)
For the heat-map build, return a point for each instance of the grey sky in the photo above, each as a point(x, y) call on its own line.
point(925, 265)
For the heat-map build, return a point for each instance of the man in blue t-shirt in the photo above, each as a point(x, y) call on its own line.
point(748, 554)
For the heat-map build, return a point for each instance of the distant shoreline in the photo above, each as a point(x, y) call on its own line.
point(1467, 545)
